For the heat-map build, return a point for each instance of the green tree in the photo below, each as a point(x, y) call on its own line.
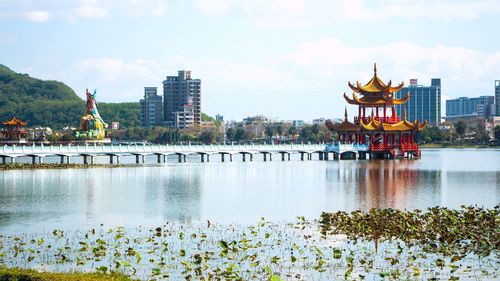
point(482, 136)
point(292, 131)
point(431, 135)
point(269, 131)
point(279, 129)
point(460, 127)
point(207, 136)
point(206, 118)
point(230, 134)
point(496, 132)
point(239, 134)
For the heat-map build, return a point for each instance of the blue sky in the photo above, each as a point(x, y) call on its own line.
point(286, 59)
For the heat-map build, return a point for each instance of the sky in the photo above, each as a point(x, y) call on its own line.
point(285, 59)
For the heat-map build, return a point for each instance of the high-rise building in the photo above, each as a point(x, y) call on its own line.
point(182, 99)
point(464, 107)
point(151, 108)
point(424, 104)
point(497, 97)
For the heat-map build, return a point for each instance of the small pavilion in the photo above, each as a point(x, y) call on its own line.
point(14, 131)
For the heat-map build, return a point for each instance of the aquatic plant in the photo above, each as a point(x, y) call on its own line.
point(440, 230)
point(340, 246)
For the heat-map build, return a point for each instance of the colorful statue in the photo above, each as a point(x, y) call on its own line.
point(92, 127)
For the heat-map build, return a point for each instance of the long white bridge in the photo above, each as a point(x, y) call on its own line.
point(140, 151)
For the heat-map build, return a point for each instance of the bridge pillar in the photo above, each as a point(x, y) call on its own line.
point(202, 158)
point(321, 155)
point(244, 156)
point(251, 157)
point(4, 160)
point(159, 156)
point(288, 156)
point(184, 158)
point(326, 155)
point(208, 158)
point(12, 160)
point(336, 156)
point(180, 158)
point(111, 158)
point(117, 159)
point(362, 155)
point(86, 159)
point(301, 156)
point(265, 157)
point(282, 156)
point(222, 157)
point(230, 158)
point(137, 159)
point(33, 160)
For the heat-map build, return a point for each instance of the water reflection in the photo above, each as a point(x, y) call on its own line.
point(42, 200)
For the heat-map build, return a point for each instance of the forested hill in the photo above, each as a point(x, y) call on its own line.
point(52, 103)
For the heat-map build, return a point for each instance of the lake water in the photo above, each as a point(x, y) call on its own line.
point(242, 192)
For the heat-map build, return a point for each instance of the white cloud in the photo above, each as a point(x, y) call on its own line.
point(213, 8)
point(315, 72)
point(263, 13)
point(38, 16)
point(72, 10)
point(299, 13)
point(91, 9)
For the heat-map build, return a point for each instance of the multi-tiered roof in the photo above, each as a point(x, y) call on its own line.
point(382, 129)
point(375, 92)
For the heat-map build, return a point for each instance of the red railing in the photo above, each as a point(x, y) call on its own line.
point(409, 147)
point(387, 120)
point(387, 147)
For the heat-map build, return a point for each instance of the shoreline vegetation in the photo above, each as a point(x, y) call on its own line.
point(19, 274)
point(30, 166)
point(435, 244)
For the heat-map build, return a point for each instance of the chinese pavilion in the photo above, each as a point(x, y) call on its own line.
point(14, 131)
point(385, 134)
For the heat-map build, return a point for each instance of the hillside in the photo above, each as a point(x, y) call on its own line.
point(52, 103)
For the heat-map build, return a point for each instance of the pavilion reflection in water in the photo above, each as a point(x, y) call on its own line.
point(387, 184)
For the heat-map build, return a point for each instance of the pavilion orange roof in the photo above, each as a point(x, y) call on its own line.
point(384, 99)
point(14, 121)
point(403, 125)
point(375, 85)
point(345, 126)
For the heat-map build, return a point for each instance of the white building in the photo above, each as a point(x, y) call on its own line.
point(178, 92)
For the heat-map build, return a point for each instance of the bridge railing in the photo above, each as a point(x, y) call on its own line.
point(144, 148)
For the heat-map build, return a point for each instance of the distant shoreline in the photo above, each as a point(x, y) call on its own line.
point(432, 145)
point(29, 166)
